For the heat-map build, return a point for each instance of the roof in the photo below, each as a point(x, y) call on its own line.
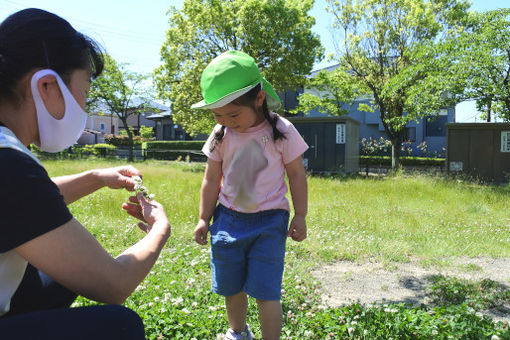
point(327, 68)
point(160, 115)
point(133, 103)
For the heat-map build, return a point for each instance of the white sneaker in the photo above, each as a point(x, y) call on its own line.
point(244, 335)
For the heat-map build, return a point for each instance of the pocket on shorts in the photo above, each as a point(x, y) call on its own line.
point(219, 230)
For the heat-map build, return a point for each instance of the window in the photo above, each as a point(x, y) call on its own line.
point(102, 127)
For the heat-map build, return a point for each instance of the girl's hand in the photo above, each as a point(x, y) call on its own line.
point(200, 232)
point(146, 211)
point(118, 177)
point(297, 229)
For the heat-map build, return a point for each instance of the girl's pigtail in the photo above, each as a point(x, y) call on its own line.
point(273, 120)
point(218, 136)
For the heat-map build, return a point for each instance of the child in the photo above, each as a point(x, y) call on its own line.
point(250, 222)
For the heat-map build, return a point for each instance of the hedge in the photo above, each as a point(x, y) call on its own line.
point(173, 145)
point(120, 140)
point(408, 161)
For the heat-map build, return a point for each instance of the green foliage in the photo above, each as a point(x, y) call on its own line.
point(115, 89)
point(384, 53)
point(329, 92)
point(123, 140)
point(175, 150)
point(481, 56)
point(175, 300)
point(102, 150)
point(405, 160)
point(480, 295)
point(277, 33)
point(146, 132)
point(174, 145)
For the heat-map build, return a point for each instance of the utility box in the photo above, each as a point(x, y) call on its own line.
point(481, 150)
point(333, 143)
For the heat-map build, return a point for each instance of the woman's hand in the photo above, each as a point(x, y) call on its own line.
point(200, 232)
point(118, 177)
point(148, 211)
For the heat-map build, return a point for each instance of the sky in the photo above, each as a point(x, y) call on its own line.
point(132, 31)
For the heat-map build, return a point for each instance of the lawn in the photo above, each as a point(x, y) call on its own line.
point(387, 219)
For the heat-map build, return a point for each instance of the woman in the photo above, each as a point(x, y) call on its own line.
point(46, 256)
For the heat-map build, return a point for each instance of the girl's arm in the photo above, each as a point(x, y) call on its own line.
point(208, 197)
point(72, 256)
point(74, 187)
point(299, 192)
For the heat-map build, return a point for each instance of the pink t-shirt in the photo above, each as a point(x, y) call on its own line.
point(270, 186)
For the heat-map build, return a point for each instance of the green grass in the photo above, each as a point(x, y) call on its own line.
point(389, 219)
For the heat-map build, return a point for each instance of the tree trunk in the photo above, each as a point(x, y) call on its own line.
point(396, 143)
point(489, 107)
point(130, 138)
point(130, 154)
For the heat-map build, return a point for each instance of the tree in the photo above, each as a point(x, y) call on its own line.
point(115, 90)
point(329, 92)
point(483, 62)
point(276, 33)
point(389, 49)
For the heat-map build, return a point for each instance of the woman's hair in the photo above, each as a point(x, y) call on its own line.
point(33, 38)
point(248, 99)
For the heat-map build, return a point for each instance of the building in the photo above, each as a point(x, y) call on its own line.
point(431, 130)
point(103, 122)
point(166, 129)
point(479, 150)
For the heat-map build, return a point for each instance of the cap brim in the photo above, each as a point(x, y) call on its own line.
point(273, 101)
point(223, 101)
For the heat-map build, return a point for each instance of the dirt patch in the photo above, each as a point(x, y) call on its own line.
point(347, 282)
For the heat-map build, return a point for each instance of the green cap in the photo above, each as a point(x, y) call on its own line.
point(229, 76)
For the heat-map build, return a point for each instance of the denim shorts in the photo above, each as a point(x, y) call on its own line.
point(247, 252)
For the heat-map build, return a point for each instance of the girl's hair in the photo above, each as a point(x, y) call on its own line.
point(33, 38)
point(248, 99)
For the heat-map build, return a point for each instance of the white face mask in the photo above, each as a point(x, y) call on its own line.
point(58, 134)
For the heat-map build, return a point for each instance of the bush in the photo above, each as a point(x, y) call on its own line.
point(146, 132)
point(121, 140)
point(102, 150)
point(174, 150)
point(409, 161)
point(173, 145)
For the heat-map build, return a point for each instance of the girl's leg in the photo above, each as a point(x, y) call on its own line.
point(237, 308)
point(270, 315)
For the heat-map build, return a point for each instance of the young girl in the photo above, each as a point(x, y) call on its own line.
point(249, 152)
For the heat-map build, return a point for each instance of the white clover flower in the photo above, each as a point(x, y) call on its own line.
point(186, 311)
point(139, 187)
point(178, 301)
point(308, 334)
point(495, 337)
